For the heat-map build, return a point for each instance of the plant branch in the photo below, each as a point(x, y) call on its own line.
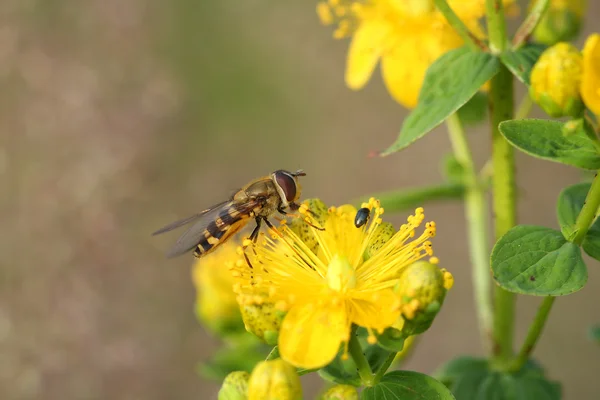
point(477, 220)
point(530, 22)
point(535, 330)
point(362, 365)
point(496, 24)
point(588, 213)
point(400, 200)
point(384, 367)
point(470, 39)
point(524, 107)
point(503, 184)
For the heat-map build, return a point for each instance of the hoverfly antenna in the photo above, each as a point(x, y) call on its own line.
point(299, 173)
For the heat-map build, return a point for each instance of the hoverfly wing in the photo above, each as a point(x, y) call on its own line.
point(185, 221)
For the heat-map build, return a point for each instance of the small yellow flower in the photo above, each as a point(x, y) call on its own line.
point(556, 79)
point(235, 386)
point(561, 22)
point(274, 380)
point(590, 79)
point(327, 288)
point(216, 304)
point(406, 35)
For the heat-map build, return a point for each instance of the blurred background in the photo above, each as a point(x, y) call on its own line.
point(117, 117)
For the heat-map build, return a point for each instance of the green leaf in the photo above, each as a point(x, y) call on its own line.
point(391, 339)
point(449, 83)
point(570, 203)
point(475, 110)
point(544, 139)
point(521, 61)
point(407, 385)
point(538, 261)
point(472, 378)
point(401, 200)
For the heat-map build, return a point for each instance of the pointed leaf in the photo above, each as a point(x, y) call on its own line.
point(538, 261)
point(449, 83)
point(545, 139)
point(521, 61)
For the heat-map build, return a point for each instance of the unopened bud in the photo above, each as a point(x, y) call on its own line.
point(263, 320)
point(590, 81)
point(556, 79)
point(318, 214)
point(340, 392)
point(561, 22)
point(422, 287)
point(274, 380)
point(235, 386)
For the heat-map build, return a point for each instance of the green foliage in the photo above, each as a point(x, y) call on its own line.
point(391, 339)
point(475, 110)
point(405, 199)
point(345, 371)
point(594, 333)
point(570, 203)
point(538, 261)
point(450, 82)
point(545, 139)
point(407, 385)
point(521, 61)
point(474, 379)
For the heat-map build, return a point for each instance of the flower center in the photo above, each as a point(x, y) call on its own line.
point(340, 274)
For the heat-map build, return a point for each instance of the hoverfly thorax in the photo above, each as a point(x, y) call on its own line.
point(287, 185)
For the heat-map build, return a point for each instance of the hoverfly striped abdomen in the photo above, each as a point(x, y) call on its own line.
point(223, 226)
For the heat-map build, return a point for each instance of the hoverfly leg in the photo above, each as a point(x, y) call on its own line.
point(296, 207)
point(254, 234)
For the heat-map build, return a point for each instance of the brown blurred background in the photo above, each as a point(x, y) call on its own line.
point(119, 116)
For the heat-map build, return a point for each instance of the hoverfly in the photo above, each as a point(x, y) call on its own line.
point(258, 200)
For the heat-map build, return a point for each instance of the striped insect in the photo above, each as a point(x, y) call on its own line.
point(258, 200)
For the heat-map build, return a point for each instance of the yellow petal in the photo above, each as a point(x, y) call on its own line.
point(590, 80)
point(374, 310)
point(310, 336)
point(365, 50)
point(404, 68)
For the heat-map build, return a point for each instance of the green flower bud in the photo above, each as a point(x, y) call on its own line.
point(263, 320)
point(555, 81)
point(561, 22)
point(422, 287)
point(274, 380)
point(303, 230)
point(235, 386)
point(340, 392)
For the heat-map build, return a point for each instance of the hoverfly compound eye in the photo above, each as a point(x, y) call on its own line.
point(287, 183)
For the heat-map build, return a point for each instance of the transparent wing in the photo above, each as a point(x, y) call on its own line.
point(185, 221)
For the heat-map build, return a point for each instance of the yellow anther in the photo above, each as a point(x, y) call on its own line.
point(371, 339)
point(434, 260)
point(247, 242)
point(324, 13)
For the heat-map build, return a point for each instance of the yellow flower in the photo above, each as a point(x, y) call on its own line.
point(274, 380)
point(406, 35)
point(556, 79)
point(590, 79)
point(327, 288)
point(340, 392)
point(216, 304)
point(561, 22)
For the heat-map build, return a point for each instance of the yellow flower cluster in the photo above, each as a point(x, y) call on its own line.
point(407, 36)
point(327, 278)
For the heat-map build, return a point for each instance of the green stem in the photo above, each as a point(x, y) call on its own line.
point(494, 11)
point(476, 213)
point(529, 24)
point(362, 365)
point(524, 107)
point(535, 330)
point(470, 39)
point(503, 185)
point(273, 354)
point(588, 213)
point(384, 367)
